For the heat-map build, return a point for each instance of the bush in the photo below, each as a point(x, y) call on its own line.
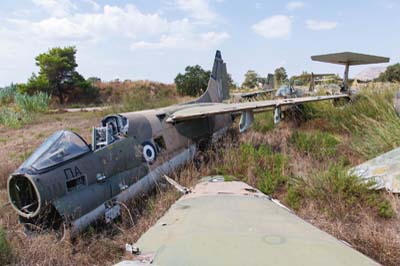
point(391, 74)
point(142, 99)
point(35, 84)
point(7, 93)
point(37, 103)
point(319, 145)
point(263, 122)
point(340, 194)
point(385, 209)
point(257, 166)
point(13, 119)
point(84, 92)
point(370, 120)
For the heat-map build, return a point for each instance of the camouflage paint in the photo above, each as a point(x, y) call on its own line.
point(384, 170)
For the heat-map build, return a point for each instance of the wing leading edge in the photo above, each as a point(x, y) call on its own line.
point(198, 111)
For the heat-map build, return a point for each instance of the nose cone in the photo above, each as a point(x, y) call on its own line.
point(24, 195)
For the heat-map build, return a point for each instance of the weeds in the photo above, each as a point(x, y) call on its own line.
point(319, 145)
point(7, 94)
point(24, 110)
point(258, 166)
point(338, 193)
point(13, 119)
point(141, 100)
point(370, 120)
point(5, 249)
point(329, 197)
point(37, 103)
point(263, 122)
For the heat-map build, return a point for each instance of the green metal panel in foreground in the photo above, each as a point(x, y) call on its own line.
point(230, 223)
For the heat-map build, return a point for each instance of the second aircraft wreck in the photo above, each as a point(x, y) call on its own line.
point(67, 181)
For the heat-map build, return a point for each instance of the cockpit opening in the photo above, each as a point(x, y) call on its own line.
point(112, 128)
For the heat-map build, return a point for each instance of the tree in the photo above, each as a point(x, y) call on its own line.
point(58, 66)
point(391, 74)
point(250, 79)
point(94, 80)
point(35, 84)
point(302, 80)
point(194, 82)
point(231, 83)
point(281, 76)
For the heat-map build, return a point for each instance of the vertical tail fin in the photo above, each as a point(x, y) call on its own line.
point(217, 89)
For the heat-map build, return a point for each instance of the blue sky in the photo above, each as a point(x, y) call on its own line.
point(157, 39)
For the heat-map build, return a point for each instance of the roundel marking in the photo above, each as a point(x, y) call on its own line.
point(149, 152)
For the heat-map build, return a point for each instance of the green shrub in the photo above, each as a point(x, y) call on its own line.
point(37, 103)
point(293, 197)
point(370, 120)
point(7, 93)
point(339, 194)
point(5, 249)
point(263, 122)
point(319, 145)
point(13, 119)
point(258, 166)
point(385, 209)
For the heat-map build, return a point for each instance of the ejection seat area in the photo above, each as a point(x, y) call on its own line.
point(113, 127)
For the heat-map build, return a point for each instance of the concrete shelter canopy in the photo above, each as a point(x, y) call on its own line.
point(349, 58)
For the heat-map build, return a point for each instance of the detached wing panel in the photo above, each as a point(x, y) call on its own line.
point(198, 111)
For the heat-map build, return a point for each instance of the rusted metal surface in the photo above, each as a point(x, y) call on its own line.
point(231, 223)
point(384, 170)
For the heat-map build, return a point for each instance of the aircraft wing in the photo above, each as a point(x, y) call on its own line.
point(232, 223)
point(204, 110)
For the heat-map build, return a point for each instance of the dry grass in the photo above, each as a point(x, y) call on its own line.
point(268, 158)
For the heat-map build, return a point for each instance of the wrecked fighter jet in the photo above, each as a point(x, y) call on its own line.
point(68, 182)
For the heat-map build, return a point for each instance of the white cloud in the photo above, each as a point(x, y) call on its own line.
point(197, 9)
point(125, 21)
point(113, 22)
point(278, 26)
point(57, 8)
point(320, 24)
point(295, 5)
point(96, 31)
point(184, 41)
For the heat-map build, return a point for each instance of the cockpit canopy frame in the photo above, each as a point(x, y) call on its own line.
point(60, 147)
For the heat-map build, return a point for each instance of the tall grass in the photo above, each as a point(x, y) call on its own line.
point(370, 120)
point(24, 109)
point(258, 166)
point(338, 194)
point(37, 103)
point(7, 93)
point(319, 145)
point(13, 119)
point(5, 249)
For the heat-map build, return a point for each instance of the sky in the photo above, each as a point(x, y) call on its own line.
point(157, 39)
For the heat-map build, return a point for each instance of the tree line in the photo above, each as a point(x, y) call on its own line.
point(58, 77)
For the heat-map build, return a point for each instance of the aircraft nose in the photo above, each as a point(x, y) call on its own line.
point(23, 195)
